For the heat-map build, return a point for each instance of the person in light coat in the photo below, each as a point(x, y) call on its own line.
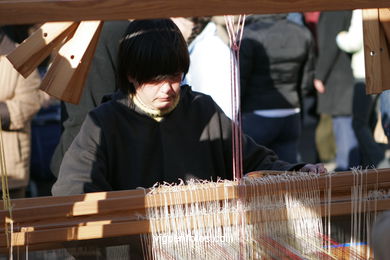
point(20, 99)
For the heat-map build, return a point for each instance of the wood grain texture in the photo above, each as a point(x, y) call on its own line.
point(27, 57)
point(67, 74)
point(105, 202)
point(63, 232)
point(376, 52)
point(35, 11)
point(113, 214)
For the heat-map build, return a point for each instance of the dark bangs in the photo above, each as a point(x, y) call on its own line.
point(151, 50)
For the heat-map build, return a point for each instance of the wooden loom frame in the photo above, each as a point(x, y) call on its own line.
point(48, 222)
point(35, 11)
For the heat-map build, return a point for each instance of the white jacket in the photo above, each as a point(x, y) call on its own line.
point(352, 42)
point(209, 70)
point(23, 99)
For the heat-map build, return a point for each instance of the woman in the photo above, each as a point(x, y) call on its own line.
point(153, 129)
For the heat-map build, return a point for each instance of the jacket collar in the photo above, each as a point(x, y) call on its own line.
point(124, 100)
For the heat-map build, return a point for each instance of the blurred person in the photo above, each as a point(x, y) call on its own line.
point(380, 236)
point(323, 136)
point(295, 17)
point(276, 70)
point(385, 118)
point(210, 70)
point(20, 99)
point(311, 21)
point(334, 83)
point(364, 106)
point(385, 112)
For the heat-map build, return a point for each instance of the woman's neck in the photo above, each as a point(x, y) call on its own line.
point(156, 114)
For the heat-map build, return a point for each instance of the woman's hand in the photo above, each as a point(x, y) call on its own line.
point(315, 168)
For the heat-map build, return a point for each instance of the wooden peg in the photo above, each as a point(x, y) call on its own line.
point(29, 54)
point(65, 78)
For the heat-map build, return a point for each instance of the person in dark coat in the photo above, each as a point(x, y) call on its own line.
point(335, 85)
point(153, 129)
point(276, 71)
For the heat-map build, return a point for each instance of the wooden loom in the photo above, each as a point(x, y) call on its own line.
point(47, 222)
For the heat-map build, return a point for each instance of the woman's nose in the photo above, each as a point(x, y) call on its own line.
point(166, 87)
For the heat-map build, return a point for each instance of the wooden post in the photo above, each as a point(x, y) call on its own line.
point(376, 51)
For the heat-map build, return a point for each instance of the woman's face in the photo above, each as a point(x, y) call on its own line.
point(161, 94)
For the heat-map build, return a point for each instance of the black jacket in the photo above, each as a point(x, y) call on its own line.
point(333, 65)
point(276, 63)
point(119, 147)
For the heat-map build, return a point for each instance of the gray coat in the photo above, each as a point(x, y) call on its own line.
point(334, 65)
point(276, 63)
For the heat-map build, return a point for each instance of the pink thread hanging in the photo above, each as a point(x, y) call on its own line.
point(235, 35)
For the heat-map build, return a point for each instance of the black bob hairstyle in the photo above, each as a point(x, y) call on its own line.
point(150, 51)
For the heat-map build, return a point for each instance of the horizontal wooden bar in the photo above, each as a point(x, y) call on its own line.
point(37, 11)
point(99, 219)
point(122, 215)
point(94, 196)
point(65, 234)
point(100, 230)
point(138, 200)
point(383, 174)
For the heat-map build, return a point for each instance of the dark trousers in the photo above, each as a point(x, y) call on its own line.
point(307, 147)
point(280, 134)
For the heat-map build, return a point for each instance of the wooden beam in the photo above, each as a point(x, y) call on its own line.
point(36, 11)
point(136, 200)
point(97, 230)
point(376, 51)
point(68, 72)
point(28, 55)
point(113, 214)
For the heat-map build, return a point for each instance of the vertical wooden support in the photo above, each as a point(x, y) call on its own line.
point(40, 45)
point(384, 18)
point(65, 78)
point(376, 50)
